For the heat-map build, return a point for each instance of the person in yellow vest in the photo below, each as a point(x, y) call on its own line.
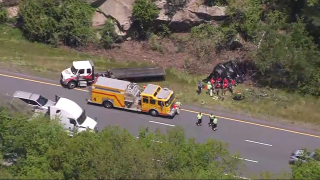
point(215, 124)
point(178, 105)
point(199, 116)
point(211, 117)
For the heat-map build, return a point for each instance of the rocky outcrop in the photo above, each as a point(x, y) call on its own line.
point(121, 11)
point(13, 11)
point(193, 14)
point(98, 19)
point(179, 19)
point(163, 15)
point(190, 15)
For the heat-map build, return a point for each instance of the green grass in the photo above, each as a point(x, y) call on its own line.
point(45, 61)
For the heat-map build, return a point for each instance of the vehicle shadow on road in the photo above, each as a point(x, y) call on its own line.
point(126, 110)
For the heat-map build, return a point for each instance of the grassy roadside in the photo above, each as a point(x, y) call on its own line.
point(45, 61)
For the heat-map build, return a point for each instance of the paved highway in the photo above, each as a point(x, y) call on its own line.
point(264, 146)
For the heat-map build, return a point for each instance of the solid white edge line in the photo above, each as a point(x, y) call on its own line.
point(255, 142)
point(249, 160)
point(162, 123)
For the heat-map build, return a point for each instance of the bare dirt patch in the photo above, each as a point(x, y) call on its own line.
point(176, 51)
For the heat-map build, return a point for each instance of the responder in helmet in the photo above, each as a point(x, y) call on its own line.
point(215, 124)
point(177, 106)
point(211, 117)
point(199, 116)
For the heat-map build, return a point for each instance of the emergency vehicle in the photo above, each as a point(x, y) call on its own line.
point(82, 74)
point(126, 95)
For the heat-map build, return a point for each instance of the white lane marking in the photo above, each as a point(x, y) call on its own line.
point(249, 160)
point(153, 140)
point(259, 143)
point(237, 176)
point(162, 123)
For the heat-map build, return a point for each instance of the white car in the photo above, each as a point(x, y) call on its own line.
point(34, 100)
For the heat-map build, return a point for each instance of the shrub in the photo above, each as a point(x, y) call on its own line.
point(3, 15)
point(51, 21)
point(108, 35)
point(145, 12)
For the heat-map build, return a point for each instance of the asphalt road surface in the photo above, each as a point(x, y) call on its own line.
point(263, 146)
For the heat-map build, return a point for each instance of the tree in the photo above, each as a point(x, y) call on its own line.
point(289, 59)
point(3, 14)
point(75, 22)
point(51, 21)
point(145, 12)
point(108, 34)
point(42, 149)
point(309, 169)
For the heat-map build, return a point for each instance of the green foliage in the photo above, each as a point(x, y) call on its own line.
point(294, 59)
point(308, 170)
point(42, 149)
point(164, 31)
point(246, 16)
point(75, 22)
point(51, 21)
point(3, 14)
point(208, 38)
point(108, 34)
point(145, 12)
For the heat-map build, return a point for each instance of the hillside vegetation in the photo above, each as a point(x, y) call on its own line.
point(281, 36)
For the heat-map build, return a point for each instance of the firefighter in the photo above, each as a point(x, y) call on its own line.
point(218, 87)
point(225, 86)
point(215, 124)
point(213, 85)
point(178, 105)
point(199, 116)
point(231, 85)
point(199, 87)
point(209, 87)
point(211, 117)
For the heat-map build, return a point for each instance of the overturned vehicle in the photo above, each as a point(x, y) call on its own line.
point(232, 70)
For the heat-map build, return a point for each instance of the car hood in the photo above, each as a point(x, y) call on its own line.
point(66, 74)
point(89, 122)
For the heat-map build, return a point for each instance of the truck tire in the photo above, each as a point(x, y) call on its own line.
point(71, 85)
point(107, 104)
point(154, 113)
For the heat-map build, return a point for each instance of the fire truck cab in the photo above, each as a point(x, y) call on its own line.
point(126, 95)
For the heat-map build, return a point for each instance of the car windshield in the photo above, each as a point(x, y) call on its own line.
point(169, 102)
point(82, 117)
point(74, 70)
point(42, 100)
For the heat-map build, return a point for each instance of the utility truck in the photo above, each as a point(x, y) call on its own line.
point(72, 117)
point(82, 74)
point(126, 95)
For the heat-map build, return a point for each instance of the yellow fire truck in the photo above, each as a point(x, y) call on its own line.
point(126, 95)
